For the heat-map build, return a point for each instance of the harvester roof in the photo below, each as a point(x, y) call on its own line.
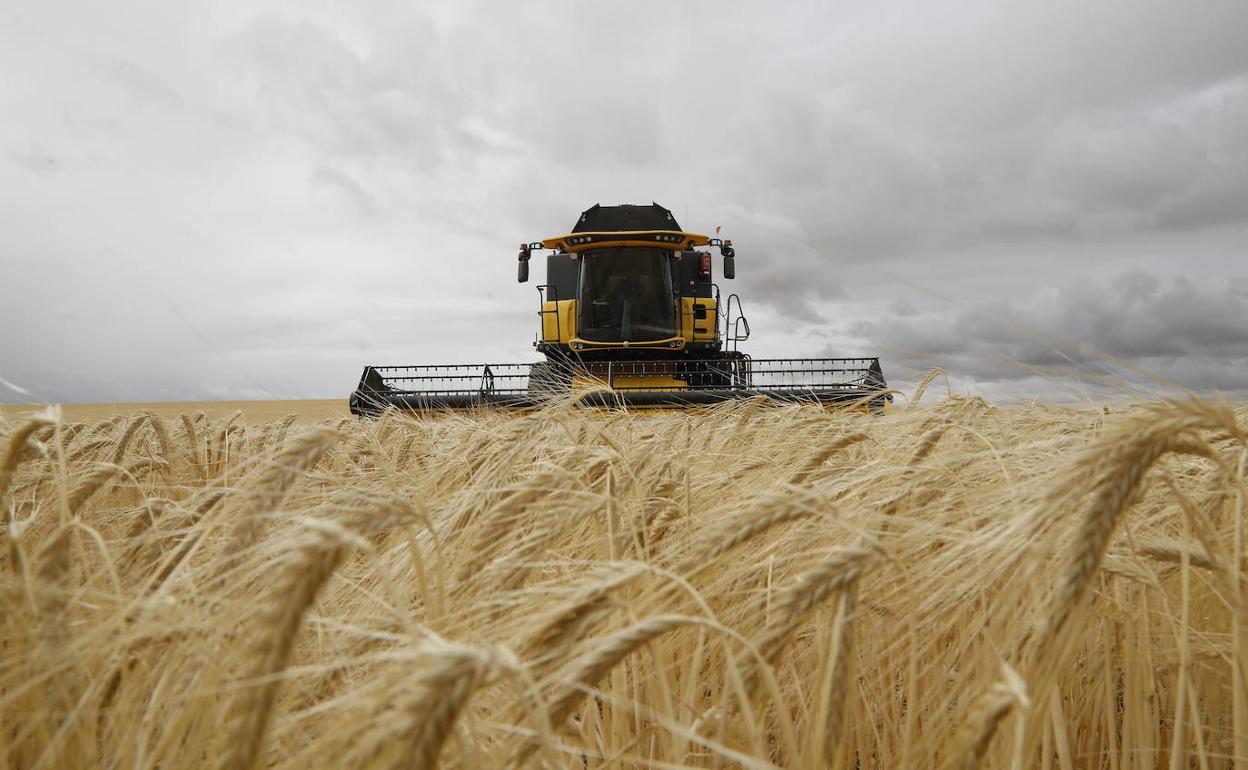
point(625, 218)
point(626, 225)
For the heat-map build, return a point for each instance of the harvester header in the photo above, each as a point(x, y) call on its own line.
point(630, 315)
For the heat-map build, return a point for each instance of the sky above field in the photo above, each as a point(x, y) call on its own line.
point(253, 200)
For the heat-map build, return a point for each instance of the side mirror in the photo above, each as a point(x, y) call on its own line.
point(730, 263)
point(522, 273)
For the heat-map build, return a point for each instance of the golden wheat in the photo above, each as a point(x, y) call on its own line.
point(951, 585)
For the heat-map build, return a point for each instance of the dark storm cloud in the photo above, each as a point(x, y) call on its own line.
point(1137, 327)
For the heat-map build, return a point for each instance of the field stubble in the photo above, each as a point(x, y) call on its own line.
point(949, 586)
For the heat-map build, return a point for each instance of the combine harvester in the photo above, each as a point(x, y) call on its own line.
point(630, 316)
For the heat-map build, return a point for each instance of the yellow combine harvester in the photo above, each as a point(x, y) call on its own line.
point(630, 315)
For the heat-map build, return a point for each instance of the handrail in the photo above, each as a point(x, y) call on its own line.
point(735, 324)
point(541, 313)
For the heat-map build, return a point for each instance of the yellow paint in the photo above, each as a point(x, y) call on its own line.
point(645, 238)
point(558, 324)
point(663, 344)
point(695, 329)
point(559, 321)
point(629, 382)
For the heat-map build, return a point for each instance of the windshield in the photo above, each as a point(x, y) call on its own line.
point(626, 294)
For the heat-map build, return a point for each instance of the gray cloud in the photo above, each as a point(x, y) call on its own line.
point(1137, 328)
point(332, 183)
point(1109, 166)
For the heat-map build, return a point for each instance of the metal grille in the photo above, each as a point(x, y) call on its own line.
point(455, 379)
point(776, 376)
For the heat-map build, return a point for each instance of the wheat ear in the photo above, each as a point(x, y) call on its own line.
point(192, 439)
point(13, 454)
point(986, 713)
point(1132, 453)
point(1165, 549)
point(162, 436)
point(132, 427)
point(88, 485)
point(823, 455)
point(837, 571)
point(614, 648)
point(594, 666)
point(145, 518)
point(428, 710)
point(569, 622)
point(8, 467)
point(927, 443)
point(836, 692)
point(771, 511)
point(932, 374)
point(270, 489)
point(494, 526)
point(661, 511)
point(295, 588)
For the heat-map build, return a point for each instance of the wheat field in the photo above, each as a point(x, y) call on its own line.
point(955, 586)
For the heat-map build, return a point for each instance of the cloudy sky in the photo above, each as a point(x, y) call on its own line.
point(252, 200)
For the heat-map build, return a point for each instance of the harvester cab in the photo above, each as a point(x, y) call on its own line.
point(628, 283)
point(629, 315)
